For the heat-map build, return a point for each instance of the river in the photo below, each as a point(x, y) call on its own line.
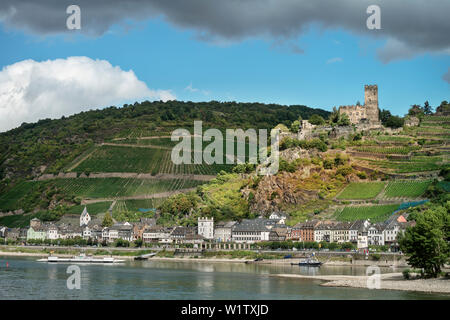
point(24, 278)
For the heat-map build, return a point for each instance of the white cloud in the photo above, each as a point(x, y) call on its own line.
point(334, 60)
point(31, 90)
point(190, 88)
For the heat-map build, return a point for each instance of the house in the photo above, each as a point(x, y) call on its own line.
point(35, 223)
point(139, 227)
point(123, 230)
point(194, 239)
point(278, 234)
point(304, 231)
point(354, 228)
point(222, 231)
point(37, 233)
point(375, 234)
point(363, 239)
point(86, 232)
point(322, 232)
point(280, 217)
point(206, 227)
point(85, 218)
point(251, 231)
point(12, 234)
point(156, 234)
point(52, 232)
point(3, 232)
point(340, 232)
point(179, 233)
point(105, 234)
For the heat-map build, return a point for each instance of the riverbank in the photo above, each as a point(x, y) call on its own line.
point(388, 281)
point(168, 256)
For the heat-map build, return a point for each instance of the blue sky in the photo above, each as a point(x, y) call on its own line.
point(332, 70)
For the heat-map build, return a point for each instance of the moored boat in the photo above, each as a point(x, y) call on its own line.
point(82, 258)
point(309, 262)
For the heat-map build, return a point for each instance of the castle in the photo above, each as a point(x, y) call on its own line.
point(368, 112)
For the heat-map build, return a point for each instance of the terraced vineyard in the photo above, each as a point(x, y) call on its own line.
point(93, 208)
point(361, 190)
point(408, 189)
point(387, 150)
point(120, 187)
point(95, 188)
point(135, 205)
point(142, 160)
point(414, 164)
point(376, 213)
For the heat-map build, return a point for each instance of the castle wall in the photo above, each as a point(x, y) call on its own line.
point(370, 109)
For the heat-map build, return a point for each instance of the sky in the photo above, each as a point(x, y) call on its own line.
point(317, 53)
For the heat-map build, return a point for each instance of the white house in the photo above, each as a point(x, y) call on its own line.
point(206, 227)
point(323, 232)
point(251, 231)
point(222, 231)
point(85, 218)
point(156, 234)
point(52, 232)
point(87, 232)
point(280, 217)
point(375, 234)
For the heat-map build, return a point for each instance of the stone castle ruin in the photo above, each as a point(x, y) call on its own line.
point(366, 113)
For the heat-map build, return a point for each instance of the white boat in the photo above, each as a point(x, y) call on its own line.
point(82, 258)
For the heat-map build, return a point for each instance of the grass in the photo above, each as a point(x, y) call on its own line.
point(410, 189)
point(361, 190)
point(376, 213)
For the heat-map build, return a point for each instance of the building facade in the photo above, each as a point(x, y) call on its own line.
point(206, 227)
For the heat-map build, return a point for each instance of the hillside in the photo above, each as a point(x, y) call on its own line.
point(44, 166)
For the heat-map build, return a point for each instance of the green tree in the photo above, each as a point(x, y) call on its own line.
point(395, 122)
point(334, 116)
point(384, 116)
point(107, 220)
point(415, 110)
point(427, 243)
point(427, 109)
point(316, 120)
point(344, 120)
point(295, 126)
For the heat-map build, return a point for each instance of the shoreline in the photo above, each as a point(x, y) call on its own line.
point(388, 281)
point(279, 262)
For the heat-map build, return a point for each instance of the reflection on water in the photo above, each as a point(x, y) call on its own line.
point(27, 279)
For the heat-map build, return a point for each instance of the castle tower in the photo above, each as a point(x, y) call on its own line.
point(371, 102)
point(206, 227)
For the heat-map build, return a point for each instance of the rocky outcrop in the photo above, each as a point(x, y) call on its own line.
point(274, 192)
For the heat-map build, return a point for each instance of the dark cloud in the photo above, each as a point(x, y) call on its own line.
point(412, 27)
point(446, 76)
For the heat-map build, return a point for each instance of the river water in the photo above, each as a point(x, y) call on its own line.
point(24, 278)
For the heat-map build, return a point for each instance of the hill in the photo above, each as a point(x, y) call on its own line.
point(44, 166)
